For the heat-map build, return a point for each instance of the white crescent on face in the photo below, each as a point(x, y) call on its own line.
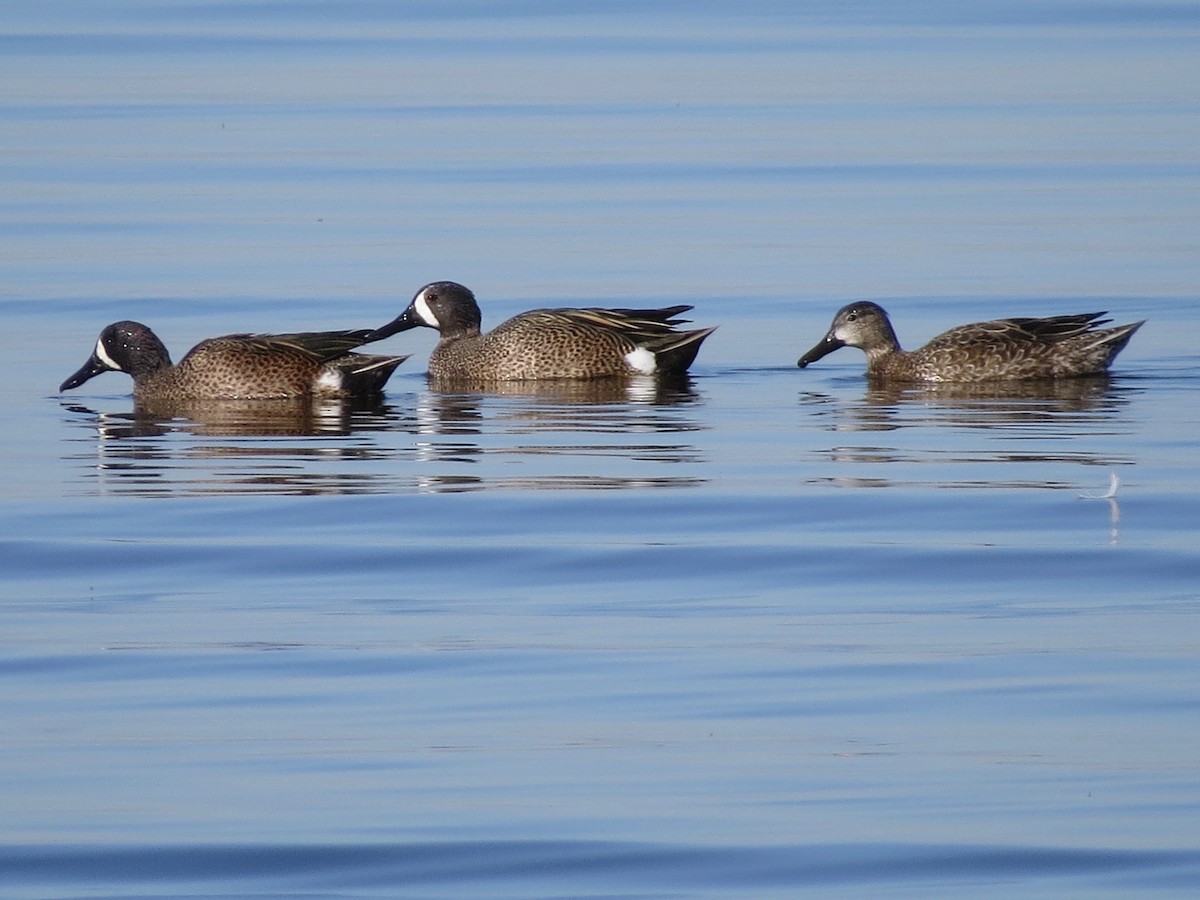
point(424, 313)
point(102, 355)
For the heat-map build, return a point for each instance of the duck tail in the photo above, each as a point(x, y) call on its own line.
point(366, 375)
point(1113, 340)
point(676, 354)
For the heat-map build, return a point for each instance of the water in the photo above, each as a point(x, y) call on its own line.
point(770, 633)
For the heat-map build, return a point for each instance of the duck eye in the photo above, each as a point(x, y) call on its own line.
point(852, 317)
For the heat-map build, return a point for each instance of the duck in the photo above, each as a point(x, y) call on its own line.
point(239, 366)
point(1001, 350)
point(543, 344)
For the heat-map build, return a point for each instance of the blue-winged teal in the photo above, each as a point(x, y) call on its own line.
point(240, 366)
point(547, 343)
point(1006, 349)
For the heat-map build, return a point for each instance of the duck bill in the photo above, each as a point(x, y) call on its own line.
point(403, 322)
point(90, 369)
point(828, 344)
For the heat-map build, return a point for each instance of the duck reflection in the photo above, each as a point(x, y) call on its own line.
point(1051, 421)
point(1017, 404)
point(606, 435)
point(602, 404)
point(486, 423)
point(239, 418)
point(223, 446)
point(648, 390)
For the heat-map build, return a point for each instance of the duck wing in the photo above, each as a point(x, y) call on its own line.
point(319, 346)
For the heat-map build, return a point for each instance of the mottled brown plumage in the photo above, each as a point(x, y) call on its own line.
point(547, 343)
point(1005, 349)
point(240, 366)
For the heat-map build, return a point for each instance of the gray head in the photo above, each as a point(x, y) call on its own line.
point(445, 305)
point(863, 324)
point(128, 347)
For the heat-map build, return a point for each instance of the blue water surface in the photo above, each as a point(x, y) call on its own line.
point(766, 633)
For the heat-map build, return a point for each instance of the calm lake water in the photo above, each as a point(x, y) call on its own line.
point(771, 633)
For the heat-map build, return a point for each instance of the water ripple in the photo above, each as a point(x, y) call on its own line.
point(591, 868)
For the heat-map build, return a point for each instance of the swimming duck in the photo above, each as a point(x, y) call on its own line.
point(239, 366)
point(1005, 349)
point(547, 343)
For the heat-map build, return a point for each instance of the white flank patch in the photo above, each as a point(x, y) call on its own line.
point(102, 355)
point(642, 360)
point(424, 313)
point(330, 380)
